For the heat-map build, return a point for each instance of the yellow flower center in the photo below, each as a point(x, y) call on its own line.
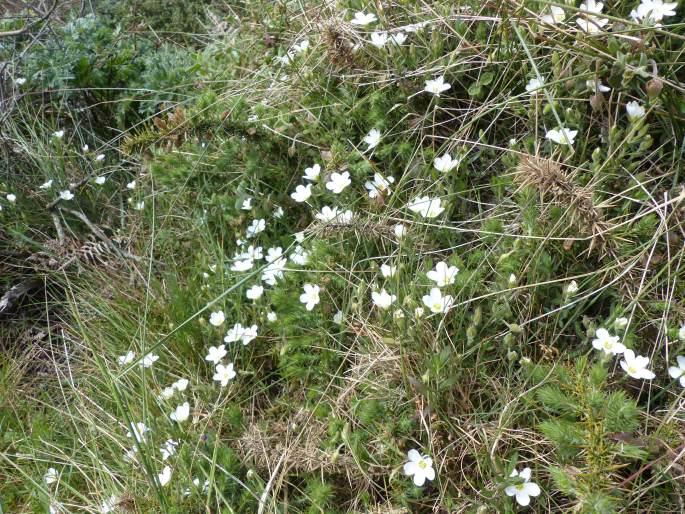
point(607, 344)
point(422, 464)
point(519, 487)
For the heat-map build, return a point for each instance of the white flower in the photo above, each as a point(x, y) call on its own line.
point(681, 333)
point(327, 214)
point(636, 366)
point(437, 86)
point(443, 274)
point(217, 318)
point(399, 38)
point(607, 343)
point(20, 81)
point(556, 15)
point(338, 318)
point(379, 39)
point(387, 270)
point(131, 185)
point(247, 204)
point(418, 312)
point(164, 476)
point(512, 280)
point(181, 413)
point(534, 86)
point(51, 476)
point(254, 292)
point(436, 302)
point(11, 197)
point(271, 316)
point(620, 323)
point(278, 213)
point(149, 360)
point(240, 333)
point(168, 449)
point(109, 504)
point(274, 253)
point(338, 182)
point(299, 236)
point(597, 86)
point(139, 206)
point(635, 111)
point(46, 185)
point(224, 373)
point(379, 185)
point(678, 372)
point(100, 157)
point(274, 271)
point(653, 11)
point(562, 136)
point(181, 384)
point(589, 23)
point(382, 299)
point(301, 46)
point(302, 193)
point(427, 207)
point(312, 174)
point(127, 358)
point(420, 466)
point(66, 195)
point(310, 297)
point(525, 490)
point(373, 138)
point(100, 180)
point(299, 256)
point(242, 265)
point(85, 148)
point(445, 163)
point(59, 134)
point(400, 231)
point(256, 227)
point(362, 19)
point(168, 392)
point(138, 431)
point(216, 353)
point(572, 287)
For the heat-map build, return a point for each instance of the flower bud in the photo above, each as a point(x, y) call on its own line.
point(596, 101)
point(654, 87)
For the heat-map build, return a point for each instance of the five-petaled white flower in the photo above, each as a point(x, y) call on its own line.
point(131, 185)
point(299, 256)
point(59, 134)
point(597, 86)
point(274, 253)
point(362, 19)
point(338, 182)
point(271, 316)
point(636, 366)
point(383, 299)
point(534, 86)
point(436, 302)
point(607, 343)
point(587, 21)
point(51, 476)
point(180, 413)
point(312, 174)
point(301, 193)
point(653, 11)
point(420, 467)
point(255, 292)
point(437, 86)
point(109, 504)
point(338, 317)
point(242, 265)
point(379, 39)
point(524, 490)
point(216, 353)
point(181, 384)
point(240, 333)
point(66, 195)
point(443, 274)
point(388, 270)
point(138, 431)
point(445, 163)
point(310, 297)
point(168, 448)
point(635, 111)
point(127, 358)
point(400, 231)
point(562, 136)
point(427, 207)
point(165, 476)
point(149, 360)
point(620, 323)
point(46, 185)
point(554, 16)
point(379, 185)
point(217, 318)
point(20, 81)
point(224, 373)
point(399, 38)
point(100, 180)
point(255, 228)
point(100, 157)
point(572, 287)
point(247, 204)
point(372, 138)
point(678, 372)
point(11, 197)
